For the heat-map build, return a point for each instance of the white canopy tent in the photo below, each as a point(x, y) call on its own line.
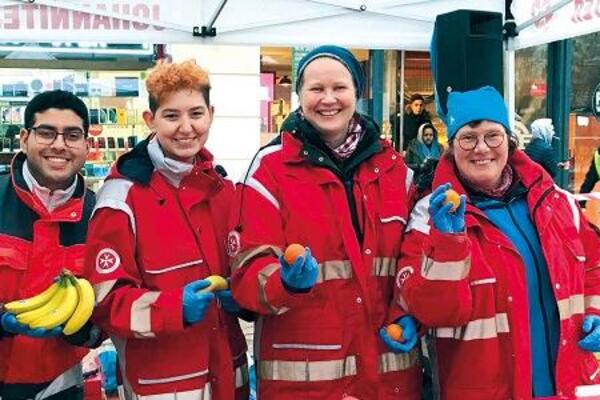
point(374, 24)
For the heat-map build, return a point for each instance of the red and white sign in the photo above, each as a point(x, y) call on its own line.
point(575, 18)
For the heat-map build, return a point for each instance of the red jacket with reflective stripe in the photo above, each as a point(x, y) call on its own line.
point(472, 291)
point(147, 240)
point(323, 344)
point(35, 246)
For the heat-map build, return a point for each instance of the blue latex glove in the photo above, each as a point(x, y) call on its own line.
point(11, 325)
point(227, 302)
point(195, 304)
point(444, 220)
point(591, 326)
point(302, 274)
point(410, 335)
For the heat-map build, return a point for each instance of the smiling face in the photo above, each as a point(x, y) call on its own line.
point(482, 166)
point(54, 165)
point(181, 123)
point(328, 98)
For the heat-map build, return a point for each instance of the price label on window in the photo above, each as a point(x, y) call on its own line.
point(596, 102)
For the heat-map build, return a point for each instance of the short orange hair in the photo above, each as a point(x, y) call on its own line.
point(166, 78)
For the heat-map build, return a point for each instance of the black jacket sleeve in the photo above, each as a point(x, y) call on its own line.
point(591, 177)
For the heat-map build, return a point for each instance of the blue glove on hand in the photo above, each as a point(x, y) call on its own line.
point(444, 220)
point(302, 274)
point(11, 325)
point(227, 302)
point(195, 304)
point(410, 335)
point(591, 326)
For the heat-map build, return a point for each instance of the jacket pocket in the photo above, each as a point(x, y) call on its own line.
point(13, 266)
point(174, 273)
point(392, 220)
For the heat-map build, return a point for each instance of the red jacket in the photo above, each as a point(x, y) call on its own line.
point(147, 240)
point(323, 344)
point(471, 290)
point(35, 245)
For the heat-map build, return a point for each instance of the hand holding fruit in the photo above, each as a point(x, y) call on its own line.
point(447, 209)
point(196, 300)
point(299, 269)
point(65, 306)
point(591, 327)
point(401, 336)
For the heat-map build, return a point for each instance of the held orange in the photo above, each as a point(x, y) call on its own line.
point(292, 252)
point(216, 283)
point(395, 331)
point(453, 198)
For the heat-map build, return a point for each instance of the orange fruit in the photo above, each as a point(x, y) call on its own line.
point(292, 252)
point(453, 198)
point(395, 331)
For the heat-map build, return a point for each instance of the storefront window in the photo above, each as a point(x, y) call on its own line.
point(531, 90)
point(584, 126)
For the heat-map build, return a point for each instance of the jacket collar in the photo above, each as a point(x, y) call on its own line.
point(137, 165)
point(70, 211)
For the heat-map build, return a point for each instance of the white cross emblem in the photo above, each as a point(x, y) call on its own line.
point(107, 261)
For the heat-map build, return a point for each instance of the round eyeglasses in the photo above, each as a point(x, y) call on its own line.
point(492, 140)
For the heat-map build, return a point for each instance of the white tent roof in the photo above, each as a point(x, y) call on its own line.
point(374, 24)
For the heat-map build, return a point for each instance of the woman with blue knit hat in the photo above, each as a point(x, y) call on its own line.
point(508, 281)
point(331, 185)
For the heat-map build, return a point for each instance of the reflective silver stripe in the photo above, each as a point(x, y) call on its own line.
point(336, 269)
point(252, 182)
point(178, 378)
point(174, 267)
point(592, 301)
point(306, 346)
point(409, 178)
point(263, 276)
point(307, 371)
point(445, 271)
point(263, 191)
point(102, 289)
point(247, 255)
point(140, 319)
point(482, 281)
point(384, 266)
point(199, 394)
point(71, 377)
point(573, 205)
point(484, 328)
point(570, 306)
point(113, 194)
point(392, 362)
point(241, 376)
point(392, 218)
point(419, 217)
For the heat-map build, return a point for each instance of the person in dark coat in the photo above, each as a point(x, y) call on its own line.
point(540, 147)
point(591, 177)
point(415, 115)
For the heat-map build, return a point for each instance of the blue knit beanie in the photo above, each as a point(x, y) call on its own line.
point(337, 53)
point(480, 104)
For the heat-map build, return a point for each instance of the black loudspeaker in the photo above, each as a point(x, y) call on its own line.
point(466, 52)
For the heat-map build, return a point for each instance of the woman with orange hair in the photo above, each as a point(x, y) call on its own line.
point(157, 232)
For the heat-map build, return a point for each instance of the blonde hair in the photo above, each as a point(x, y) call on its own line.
point(166, 78)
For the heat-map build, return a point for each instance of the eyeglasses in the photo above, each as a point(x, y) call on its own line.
point(73, 137)
point(492, 140)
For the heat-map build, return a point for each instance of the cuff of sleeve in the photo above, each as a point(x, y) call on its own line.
point(277, 295)
point(448, 246)
point(169, 306)
point(395, 312)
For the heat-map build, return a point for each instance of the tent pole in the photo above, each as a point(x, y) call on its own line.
point(209, 30)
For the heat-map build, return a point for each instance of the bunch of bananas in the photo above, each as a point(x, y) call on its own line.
point(69, 301)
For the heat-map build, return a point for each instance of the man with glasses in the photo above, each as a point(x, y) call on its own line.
point(44, 211)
